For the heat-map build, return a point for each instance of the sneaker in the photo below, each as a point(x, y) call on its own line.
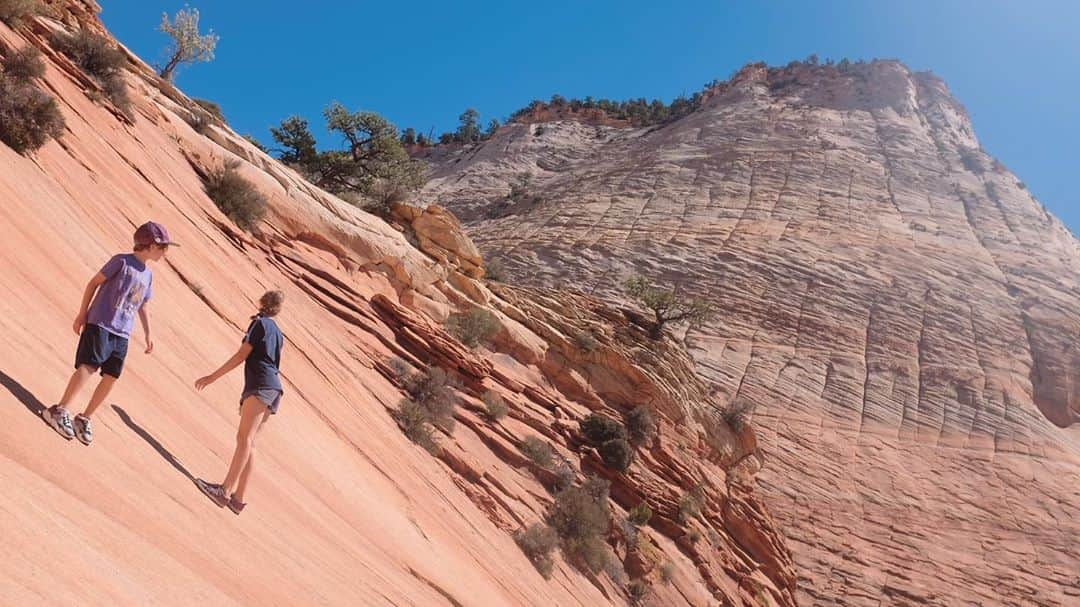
point(235, 505)
point(212, 491)
point(59, 419)
point(82, 430)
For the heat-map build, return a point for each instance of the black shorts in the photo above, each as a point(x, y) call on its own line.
point(101, 350)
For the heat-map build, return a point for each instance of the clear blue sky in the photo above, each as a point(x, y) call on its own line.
point(1014, 65)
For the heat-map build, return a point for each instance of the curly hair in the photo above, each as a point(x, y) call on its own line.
point(270, 303)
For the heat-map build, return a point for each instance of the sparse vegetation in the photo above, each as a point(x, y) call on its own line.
point(537, 450)
point(237, 197)
point(637, 590)
point(210, 106)
point(473, 327)
point(415, 422)
point(493, 270)
point(640, 425)
point(24, 64)
point(586, 341)
point(580, 516)
point(640, 515)
point(188, 45)
point(564, 476)
point(103, 62)
point(637, 112)
point(691, 503)
point(28, 117)
point(495, 405)
point(433, 390)
point(255, 142)
point(694, 536)
point(538, 542)
point(667, 572)
point(199, 121)
point(16, 12)
point(738, 413)
point(667, 304)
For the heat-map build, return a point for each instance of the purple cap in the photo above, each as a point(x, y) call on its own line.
point(152, 233)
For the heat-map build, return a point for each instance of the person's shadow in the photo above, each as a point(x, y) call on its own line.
point(153, 442)
point(23, 395)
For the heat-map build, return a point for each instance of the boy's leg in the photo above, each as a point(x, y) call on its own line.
point(245, 474)
point(100, 394)
point(75, 384)
point(251, 415)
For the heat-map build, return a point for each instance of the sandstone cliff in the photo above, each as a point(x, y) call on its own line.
point(899, 310)
point(344, 509)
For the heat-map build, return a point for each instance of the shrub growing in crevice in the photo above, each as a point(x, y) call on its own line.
point(96, 56)
point(537, 450)
point(28, 117)
point(495, 405)
point(640, 425)
point(737, 414)
point(617, 454)
point(538, 542)
point(473, 327)
point(414, 421)
point(580, 516)
point(16, 12)
point(599, 429)
point(640, 515)
point(433, 389)
point(237, 197)
point(691, 503)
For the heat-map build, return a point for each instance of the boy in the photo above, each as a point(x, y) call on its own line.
point(123, 288)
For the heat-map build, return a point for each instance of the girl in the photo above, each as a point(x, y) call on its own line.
point(261, 354)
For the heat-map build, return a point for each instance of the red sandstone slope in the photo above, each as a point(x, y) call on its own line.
point(344, 510)
point(901, 312)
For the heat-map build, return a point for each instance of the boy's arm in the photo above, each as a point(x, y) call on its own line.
point(88, 294)
point(144, 318)
point(233, 362)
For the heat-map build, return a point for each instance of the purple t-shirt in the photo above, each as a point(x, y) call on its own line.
point(126, 289)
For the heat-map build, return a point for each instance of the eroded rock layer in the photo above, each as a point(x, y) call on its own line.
point(897, 308)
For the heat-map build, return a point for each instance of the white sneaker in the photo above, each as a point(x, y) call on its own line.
point(59, 419)
point(82, 430)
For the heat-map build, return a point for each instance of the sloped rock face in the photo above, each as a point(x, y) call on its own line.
point(343, 509)
point(899, 311)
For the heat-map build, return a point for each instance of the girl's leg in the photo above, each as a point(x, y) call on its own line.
point(245, 474)
point(251, 416)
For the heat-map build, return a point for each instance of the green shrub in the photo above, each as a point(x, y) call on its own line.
point(640, 515)
point(413, 419)
point(473, 327)
point(599, 429)
point(538, 542)
point(580, 516)
point(537, 450)
point(28, 117)
point(496, 406)
point(668, 305)
point(24, 65)
point(690, 505)
point(15, 12)
point(617, 454)
point(237, 198)
point(640, 425)
point(255, 142)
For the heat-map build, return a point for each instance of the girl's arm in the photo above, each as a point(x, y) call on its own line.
point(144, 318)
point(88, 294)
point(229, 365)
